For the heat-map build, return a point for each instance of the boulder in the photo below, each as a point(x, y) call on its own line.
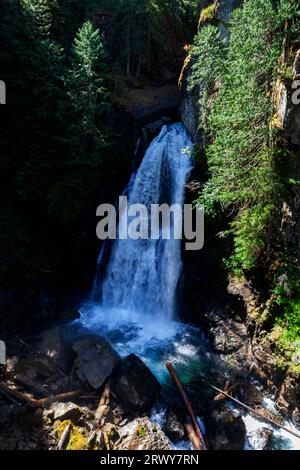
point(260, 439)
point(173, 427)
point(249, 394)
point(296, 417)
point(134, 384)
point(95, 360)
point(142, 434)
point(225, 430)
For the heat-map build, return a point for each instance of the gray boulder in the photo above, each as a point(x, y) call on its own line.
point(95, 360)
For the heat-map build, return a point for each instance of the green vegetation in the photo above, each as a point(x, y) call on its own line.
point(207, 63)
point(208, 13)
point(245, 154)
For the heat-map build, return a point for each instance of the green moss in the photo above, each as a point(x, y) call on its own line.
point(77, 439)
point(208, 13)
point(141, 431)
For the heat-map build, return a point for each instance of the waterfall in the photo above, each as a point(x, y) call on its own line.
point(142, 275)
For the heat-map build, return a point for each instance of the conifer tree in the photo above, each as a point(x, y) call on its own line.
point(84, 79)
point(85, 86)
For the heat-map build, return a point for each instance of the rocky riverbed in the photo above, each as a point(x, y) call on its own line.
point(71, 392)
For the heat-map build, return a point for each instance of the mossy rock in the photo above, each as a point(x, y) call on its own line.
point(77, 441)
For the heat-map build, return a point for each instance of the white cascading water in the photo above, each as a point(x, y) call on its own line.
point(142, 275)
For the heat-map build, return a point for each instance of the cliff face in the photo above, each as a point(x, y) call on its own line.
point(288, 110)
point(219, 13)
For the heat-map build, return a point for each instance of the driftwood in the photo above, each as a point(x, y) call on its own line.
point(65, 437)
point(29, 399)
point(196, 442)
point(229, 388)
point(257, 413)
point(188, 405)
point(41, 354)
point(23, 380)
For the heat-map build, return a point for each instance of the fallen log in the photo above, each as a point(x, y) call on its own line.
point(196, 442)
point(257, 413)
point(188, 405)
point(29, 399)
point(65, 438)
point(229, 388)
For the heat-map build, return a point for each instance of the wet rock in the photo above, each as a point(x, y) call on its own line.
point(173, 428)
point(134, 384)
point(225, 430)
point(259, 439)
point(142, 434)
point(296, 418)
point(249, 394)
point(152, 130)
point(56, 345)
point(95, 360)
point(66, 411)
point(288, 399)
point(264, 438)
point(229, 336)
point(190, 112)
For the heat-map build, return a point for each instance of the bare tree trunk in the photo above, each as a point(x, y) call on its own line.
point(149, 47)
point(139, 66)
point(128, 51)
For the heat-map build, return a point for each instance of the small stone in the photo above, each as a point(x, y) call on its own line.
point(104, 414)
point(66, 411)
